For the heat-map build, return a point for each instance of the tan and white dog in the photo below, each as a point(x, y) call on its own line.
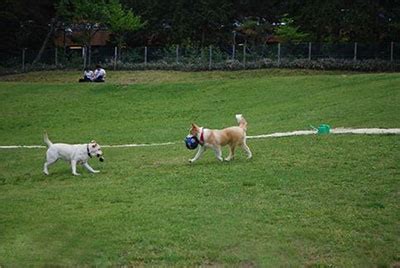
point(215, 139)
point(73, 153)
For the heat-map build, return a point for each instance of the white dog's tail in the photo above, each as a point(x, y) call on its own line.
point(46, 139)
point(241, 121)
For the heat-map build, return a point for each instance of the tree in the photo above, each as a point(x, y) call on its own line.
point(121, 21)
point(85, 17)
point(90, 16)
point(23, 24)
point(254, 29)
point(288, 32)
point(46, 40)
point(347, 21)
point(199, 22)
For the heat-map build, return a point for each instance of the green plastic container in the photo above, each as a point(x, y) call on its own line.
point(324, 129)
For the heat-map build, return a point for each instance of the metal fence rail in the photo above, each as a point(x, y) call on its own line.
point(212, 57)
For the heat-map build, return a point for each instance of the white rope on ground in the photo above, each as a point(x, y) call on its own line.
point(367, 131)
point(284, 134)
point(22, 146)
point(370, 131)
point(137, 145)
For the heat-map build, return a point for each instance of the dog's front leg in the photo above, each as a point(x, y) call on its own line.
point(247, 150)
point(73, 166)
point(89, 168)
point(198, 154)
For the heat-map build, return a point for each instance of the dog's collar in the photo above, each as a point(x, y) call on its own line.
point(201, 140)
point(88, 152)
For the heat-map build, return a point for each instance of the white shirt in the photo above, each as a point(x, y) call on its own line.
point(88, 74)
point(99, 72)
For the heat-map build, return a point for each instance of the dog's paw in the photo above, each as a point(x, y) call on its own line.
point(96, 171)
point(191, 161)
point(76, 174)
point(46, 173)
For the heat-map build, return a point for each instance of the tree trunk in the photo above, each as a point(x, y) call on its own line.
point(203, 37)
point(46, 40)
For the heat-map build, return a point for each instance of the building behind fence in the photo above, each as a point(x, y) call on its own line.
point(350, 56)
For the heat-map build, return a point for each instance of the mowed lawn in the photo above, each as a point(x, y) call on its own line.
point(301, 201)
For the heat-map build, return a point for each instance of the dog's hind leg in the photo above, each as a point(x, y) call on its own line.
point(231, 153)
point(89, 168)
point(218, 153)
point(247, 150)
point(49, 161)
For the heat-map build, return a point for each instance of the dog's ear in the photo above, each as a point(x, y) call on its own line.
point(94, 144)
point(194, 126)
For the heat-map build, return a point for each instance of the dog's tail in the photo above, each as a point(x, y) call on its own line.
point(46, 139)
point(241, 121)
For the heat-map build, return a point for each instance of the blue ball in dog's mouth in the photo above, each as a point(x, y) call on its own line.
point(191, 142)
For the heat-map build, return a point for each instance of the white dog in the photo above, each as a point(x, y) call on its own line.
point(216, 138)
point(73, 153)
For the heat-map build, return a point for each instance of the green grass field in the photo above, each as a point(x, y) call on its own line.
point(329, 200)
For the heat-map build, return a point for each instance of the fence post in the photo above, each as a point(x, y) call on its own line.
point(244, 55)
point(145, 55)
point(56, 57)
point(210, 59)
point(23, 59)
point(233, 51)
point(89, 53)
point(391, 51)
point(355, 51)
point(84, 56)
point(279, 54)
point(309, 51)
point(177, 53)
point(115, 57)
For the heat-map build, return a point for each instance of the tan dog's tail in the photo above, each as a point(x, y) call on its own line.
point(46, 139)
point(241, 121)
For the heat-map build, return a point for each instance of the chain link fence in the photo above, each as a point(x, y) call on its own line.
point(349, 56)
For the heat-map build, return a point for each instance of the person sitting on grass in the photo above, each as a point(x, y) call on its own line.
point(88, 75)
point(99, 74)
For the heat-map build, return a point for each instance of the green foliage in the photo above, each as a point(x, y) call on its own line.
point(204, 22)
point(82, 11)
point(92, 15)
point(351, 21)
point(86, 16)
point(254, 30)
point(288, 32)
point(121, 21)
point(24, 24)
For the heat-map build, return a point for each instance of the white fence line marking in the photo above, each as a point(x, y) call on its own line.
point(367, 131)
